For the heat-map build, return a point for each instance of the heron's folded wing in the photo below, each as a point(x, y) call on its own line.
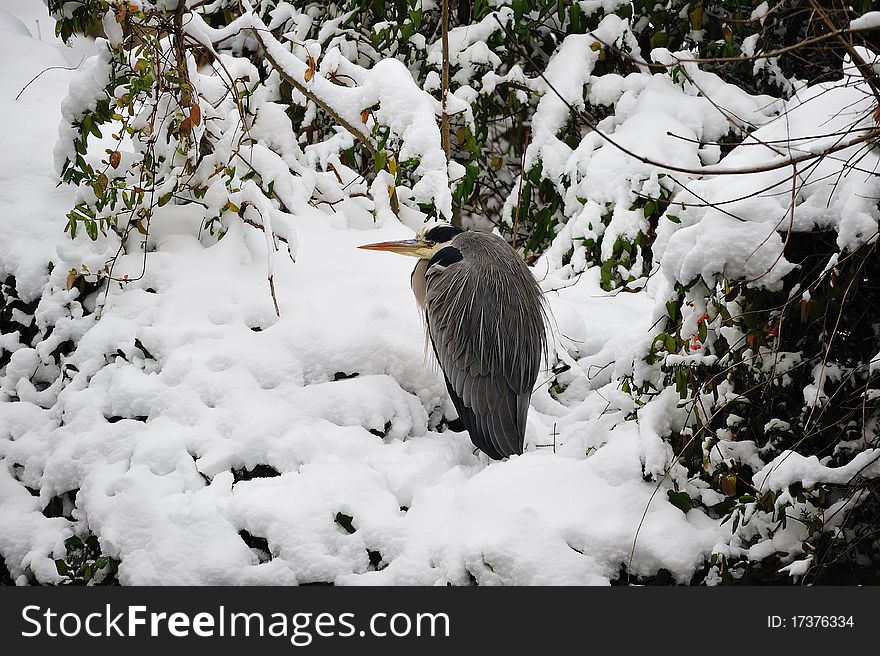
point(480, 339)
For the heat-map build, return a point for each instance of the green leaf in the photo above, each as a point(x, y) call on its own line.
point(680, 500)
point(659, 39)
point(345, 521)
point(661, 338)
point(605, 274)
point(673, 218)
point(93, 129)
point(85, 211)
point(681, 382)
point(575, 15)
point(381, 158)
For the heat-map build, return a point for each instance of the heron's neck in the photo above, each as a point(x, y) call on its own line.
point(419, 282)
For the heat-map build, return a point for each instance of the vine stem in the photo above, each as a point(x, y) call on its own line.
point(444, 81)
point(360, 136)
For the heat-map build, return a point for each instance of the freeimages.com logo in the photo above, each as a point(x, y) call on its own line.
point(300, 629)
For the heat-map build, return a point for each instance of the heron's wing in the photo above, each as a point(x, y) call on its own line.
point(488, 339)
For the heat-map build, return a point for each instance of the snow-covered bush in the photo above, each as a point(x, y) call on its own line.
point(676, 155)
point(744, 199)
point(561, 67)
point(195, 115)
point(767, 329)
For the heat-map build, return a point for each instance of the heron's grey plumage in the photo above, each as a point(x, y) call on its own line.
point(486, 322)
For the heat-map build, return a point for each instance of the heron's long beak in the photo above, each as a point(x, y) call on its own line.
point(412, 247)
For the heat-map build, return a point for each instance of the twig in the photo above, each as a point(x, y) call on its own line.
point(866, 70)
point(591, 123)
point(522, 174)
point(742, 58)
point(444, 81)
point(50, 68)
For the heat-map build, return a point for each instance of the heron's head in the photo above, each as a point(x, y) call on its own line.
point(430, 238)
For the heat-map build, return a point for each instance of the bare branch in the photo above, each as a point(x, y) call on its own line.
point(866, 70)
point(592, 124)
point(444, 81)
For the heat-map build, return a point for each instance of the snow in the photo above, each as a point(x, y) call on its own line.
point(190, 376)
point(562, 87)
point(656, 118)
point(760, 12)
point(798, 568)
point(791, 467)
point(10, 23)
point(467, 44)
point(733, 225)
point(190, 411)
point(402, 106)
point(592, 6)
point(867, 21)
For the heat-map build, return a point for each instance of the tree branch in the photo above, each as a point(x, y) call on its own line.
point(592, 124)
point(865, 69)
point(358, 134)
point(444, 81)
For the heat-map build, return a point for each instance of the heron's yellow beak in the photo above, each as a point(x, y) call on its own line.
point(411, 247)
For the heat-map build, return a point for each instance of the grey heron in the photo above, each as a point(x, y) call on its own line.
point(486, 322)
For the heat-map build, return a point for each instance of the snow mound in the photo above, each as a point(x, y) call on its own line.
point(205, 440)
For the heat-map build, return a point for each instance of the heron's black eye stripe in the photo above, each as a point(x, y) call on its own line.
point(442, 234)
point(445, 256)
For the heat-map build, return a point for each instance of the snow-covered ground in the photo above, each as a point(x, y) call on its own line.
point(189, 376)
point(191, 426)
